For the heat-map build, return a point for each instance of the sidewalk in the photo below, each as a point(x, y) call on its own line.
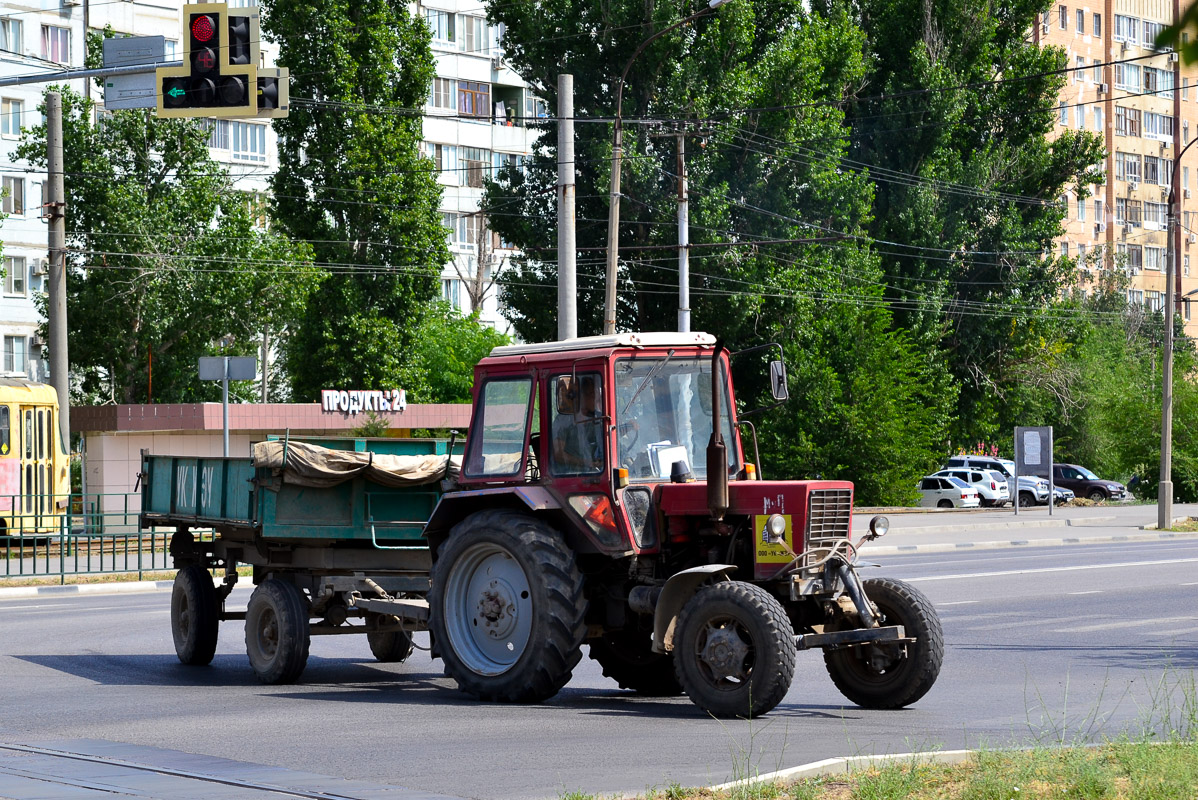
point(935, 530)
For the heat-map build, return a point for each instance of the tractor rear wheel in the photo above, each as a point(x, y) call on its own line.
point(507, 608)
point(194, 616)
point(891, 675)
point(734, 650)
point(627, 658)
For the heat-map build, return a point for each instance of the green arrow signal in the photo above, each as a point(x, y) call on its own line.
point(176, 92)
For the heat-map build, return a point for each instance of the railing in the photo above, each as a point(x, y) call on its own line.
point(92, 534)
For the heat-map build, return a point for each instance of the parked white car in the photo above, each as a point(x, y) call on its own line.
point(947, 492)
point(991, 485)
point(1033, 491)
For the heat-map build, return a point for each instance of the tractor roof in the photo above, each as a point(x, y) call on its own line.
point(652, 339)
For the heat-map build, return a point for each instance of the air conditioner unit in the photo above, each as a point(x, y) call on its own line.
point(1099, 227)
point(1173, 58)
point(1124, 46)
point(1044, 28)
point(1186, 194)
point(496, 62)
point(40, 267)
point(1193, 237)
point(35, 342)
point(1103, 88)
point(1132, 186)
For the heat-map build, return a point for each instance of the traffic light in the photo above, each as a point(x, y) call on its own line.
point(219, 76)
point(272, 92)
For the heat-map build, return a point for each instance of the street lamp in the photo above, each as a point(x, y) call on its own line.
point(1164, 494)
point(617, 157)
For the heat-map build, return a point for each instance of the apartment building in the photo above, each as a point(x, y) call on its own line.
point(1145, 106)
point(478, 119)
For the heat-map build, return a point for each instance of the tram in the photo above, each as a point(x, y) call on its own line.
point(34, 461)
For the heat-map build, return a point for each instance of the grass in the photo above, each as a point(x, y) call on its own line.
point(107, 577)
point(1189, 526)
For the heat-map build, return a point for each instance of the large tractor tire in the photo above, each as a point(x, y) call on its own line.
point(734, 650)
point(627, 658)
point(195, 616)
point(507, 608)
point(276, 632)
point(891, 675)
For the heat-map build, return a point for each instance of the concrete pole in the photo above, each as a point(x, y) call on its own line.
point(266, 364)
point(684, 275)
point(1164, 494)
point(56, 301)
point(567, 249)
point(613, 226)
point(224, 405)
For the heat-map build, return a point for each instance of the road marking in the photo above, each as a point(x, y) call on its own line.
point(1110, 626)
point(1041, 570)
point(1092, 591)
point(960, 603)
point(1188, 584)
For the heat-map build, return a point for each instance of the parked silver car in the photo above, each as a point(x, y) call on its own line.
point(947, 492)
point(991, 485)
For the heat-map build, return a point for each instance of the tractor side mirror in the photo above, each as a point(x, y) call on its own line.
point(778, 381)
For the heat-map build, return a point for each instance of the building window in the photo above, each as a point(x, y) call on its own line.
point(474, 99)
point(14, 275)
point(1127, 166)
point(443, 25)
point(445, 157)
point(249, 141)
point(1064, 15)
point(1152, 170)
point(1127, 77)
point(442, 93)
point(1063, 113)
point(1156, 301)
point(475, 163)
point(1185, 266)
point(15, 354)
point(1135, 258)
point(14, 196)
point(1185, 88)
point(475, 30)
point(1135, 297)
point(451, 292)
point(1151, 31)
point(1064, 249)
point(1155, 214)
point(1081, 210)
point(1127, 121)
point(1154, 258)
point(1081, 251)
point(1186, 307)
point(1081, 21)
point(56, 44)
point(171, 49)
point(1135, 213)
point(10, 35)
point(1126, 29)
point(1120, 211)
point(1185, 131)
point(11, 112)
point(1097, 24)
point(1158, 126)
point(1158, 82)
point(1098, 119)
point(1079, 72)
point(1097, 66)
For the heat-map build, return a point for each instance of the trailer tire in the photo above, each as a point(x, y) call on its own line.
point(507, 607)
point(276, 632)
point(194, 616)
point(390, 647)
point(628, 659)
point(886, 676)
point(734, 650)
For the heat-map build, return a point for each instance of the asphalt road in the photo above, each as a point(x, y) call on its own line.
point(1043, 645)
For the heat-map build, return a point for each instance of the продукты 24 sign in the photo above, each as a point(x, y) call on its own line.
point(357, 400)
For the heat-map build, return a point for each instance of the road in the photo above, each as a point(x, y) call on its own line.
point(1044, 645)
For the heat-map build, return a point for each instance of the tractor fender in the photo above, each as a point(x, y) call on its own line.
point(678, 589)
point(453, 507)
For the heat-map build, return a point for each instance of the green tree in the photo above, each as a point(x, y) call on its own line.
point(447, 347)
point(165, 259)
point(352, 180)
point(955, 122)
point(780, 226)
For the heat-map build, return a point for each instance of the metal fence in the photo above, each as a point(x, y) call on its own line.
point(91, 534)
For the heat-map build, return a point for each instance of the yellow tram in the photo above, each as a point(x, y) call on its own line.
point(34, 461)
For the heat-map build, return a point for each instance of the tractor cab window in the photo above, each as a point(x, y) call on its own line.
point(663, 416)
point(497, 440)
point(578, 425)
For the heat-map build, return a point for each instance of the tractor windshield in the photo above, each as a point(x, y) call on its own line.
point(663, 415)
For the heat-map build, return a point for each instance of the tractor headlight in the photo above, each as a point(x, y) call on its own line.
point(775, 529)
point(878, 526)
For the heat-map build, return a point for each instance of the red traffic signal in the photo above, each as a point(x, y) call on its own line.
point(203, 27)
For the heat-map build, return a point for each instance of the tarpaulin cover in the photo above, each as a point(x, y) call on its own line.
point(312, 465)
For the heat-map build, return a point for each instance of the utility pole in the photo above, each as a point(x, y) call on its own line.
point(1164, 494)
point(567, 250)
point(56, 305)
point(684, 292)
point(266, 364)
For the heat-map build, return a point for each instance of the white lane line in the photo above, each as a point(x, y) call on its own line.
point(960, 603)
point(1195, 583)
point(1001, 573)
point(1124, 623)
point(1092, 591)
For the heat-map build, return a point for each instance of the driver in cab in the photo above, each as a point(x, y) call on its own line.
point(578, 426)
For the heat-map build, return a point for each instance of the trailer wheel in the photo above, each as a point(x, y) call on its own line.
point(506, 608)
point(628, 659)
point(194, 616)
point(891, 675)
point(734, 650)
point(390, 647)
point(276, 631)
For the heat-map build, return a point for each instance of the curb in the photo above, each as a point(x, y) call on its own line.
point(841, 766)
point(126, 587)
point(948, 547)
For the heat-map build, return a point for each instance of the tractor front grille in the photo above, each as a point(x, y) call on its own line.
point(829, 519)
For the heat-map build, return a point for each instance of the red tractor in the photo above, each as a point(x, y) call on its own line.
point(605, 498)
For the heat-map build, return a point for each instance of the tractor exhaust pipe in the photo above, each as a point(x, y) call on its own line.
point(717, 451)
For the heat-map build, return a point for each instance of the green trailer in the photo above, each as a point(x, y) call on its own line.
point(334, 533)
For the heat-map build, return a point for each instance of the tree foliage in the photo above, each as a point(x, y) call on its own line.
point(165, 257)
point(447, 347)
point(352, 180)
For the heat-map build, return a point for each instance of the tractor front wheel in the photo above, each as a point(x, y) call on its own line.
point(627, 658)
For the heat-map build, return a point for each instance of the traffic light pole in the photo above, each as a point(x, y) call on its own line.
point(56, 306)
